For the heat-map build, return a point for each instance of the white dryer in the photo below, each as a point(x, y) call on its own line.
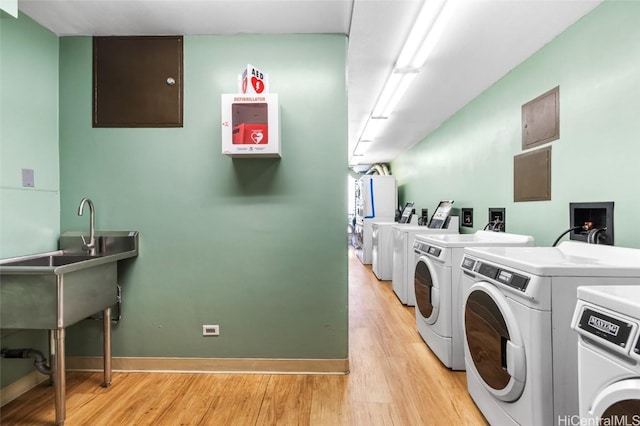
point(520, 350)
point(437, 287)
point(402, 271)
point(608, 321)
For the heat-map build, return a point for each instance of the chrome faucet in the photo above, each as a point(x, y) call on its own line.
point(91, 245)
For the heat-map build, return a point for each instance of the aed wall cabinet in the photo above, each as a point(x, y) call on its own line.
point(137, 81)
point(250, 125)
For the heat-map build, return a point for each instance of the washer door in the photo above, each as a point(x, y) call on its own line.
point(618, 401)
point(494, 342)
point(427, 290)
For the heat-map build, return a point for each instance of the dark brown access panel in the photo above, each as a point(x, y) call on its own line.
point(137, 81)
point(532, 175)
point(541, 119)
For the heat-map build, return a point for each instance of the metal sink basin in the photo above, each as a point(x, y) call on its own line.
point(56, 289)
point(51, 260)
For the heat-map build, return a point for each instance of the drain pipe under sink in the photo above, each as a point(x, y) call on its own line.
point(39, 360)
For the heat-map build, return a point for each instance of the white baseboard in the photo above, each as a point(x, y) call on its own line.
point(21, 386)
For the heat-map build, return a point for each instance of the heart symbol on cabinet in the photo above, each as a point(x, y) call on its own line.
point(256, 136)
point(258, 85)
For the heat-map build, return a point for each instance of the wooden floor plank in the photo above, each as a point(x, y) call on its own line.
point(394, 380)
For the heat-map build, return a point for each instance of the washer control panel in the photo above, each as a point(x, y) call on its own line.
point(420, 247)
point(503, 276)
point(424, 248)
point(468, 263)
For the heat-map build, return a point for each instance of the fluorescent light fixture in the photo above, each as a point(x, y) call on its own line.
point(434, 35)
point(362, 147)
point(419, 32)
point(373, 128)
point(426, 31)
point(393, 90)
point(355, 160)
point(423, 37)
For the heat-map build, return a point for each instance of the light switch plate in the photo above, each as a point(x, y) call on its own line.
point(27, 178)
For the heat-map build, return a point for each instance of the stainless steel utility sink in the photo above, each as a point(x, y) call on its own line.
point(56, 289)
point(53, 290)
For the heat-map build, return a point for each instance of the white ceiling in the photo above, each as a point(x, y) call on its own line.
point(483, 41)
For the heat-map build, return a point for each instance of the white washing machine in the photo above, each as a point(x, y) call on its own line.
point(520, 350)
point(402, 271)
point(364, 234)
point(382, 249)
point(608, 322)
point(437, 288)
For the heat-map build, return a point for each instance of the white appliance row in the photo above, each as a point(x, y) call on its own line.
point(438, 295)
point(493, 305)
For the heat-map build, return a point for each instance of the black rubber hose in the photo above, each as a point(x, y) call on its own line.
point(565, 233)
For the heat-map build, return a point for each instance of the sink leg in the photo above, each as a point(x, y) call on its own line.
point(106, 336)
point(52, 355)
point(59, 376)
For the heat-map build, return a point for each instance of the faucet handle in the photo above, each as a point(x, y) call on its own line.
point(86, 245)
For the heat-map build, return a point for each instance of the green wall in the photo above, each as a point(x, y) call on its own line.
point(254, 245)
point(257, 246)
point(29, 217)
point(469, 158)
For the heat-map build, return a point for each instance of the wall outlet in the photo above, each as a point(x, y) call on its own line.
point(210, 330)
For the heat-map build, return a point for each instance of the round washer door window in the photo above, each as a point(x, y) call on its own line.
point(618, 401)
point(621, 410)
point(427, 293)
point(494, 342)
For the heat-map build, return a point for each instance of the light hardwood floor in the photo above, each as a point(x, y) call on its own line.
point(394, 380)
